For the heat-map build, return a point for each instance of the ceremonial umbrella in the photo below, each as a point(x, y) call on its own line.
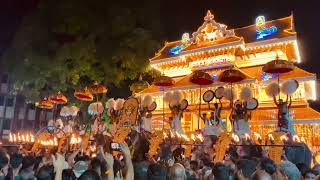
point(97, 89)
point(83, 95)
point(200, 78)
point(163, 81)
point(278, 66)
point(139, 86)
point(231, 76)
point(57, 98)
point(45, 104)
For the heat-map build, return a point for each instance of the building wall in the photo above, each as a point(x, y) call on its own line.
point(15, 114)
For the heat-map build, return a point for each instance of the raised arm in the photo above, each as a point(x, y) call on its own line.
point(275, 101)
point(290, 102)
point(128, 170)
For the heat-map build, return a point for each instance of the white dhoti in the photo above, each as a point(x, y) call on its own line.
point(177, 126)
point(146, 124)
point(241, 127)
point(212, 130)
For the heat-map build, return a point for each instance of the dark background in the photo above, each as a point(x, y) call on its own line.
point(178, 16)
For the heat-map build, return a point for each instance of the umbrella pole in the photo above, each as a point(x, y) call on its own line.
point(163, 115)
point(279, 86)
point(199, 109)
point(231, 104)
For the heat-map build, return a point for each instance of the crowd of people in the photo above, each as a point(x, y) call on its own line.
point(240, 162)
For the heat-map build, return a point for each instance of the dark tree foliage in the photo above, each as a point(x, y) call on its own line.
point(65, 45)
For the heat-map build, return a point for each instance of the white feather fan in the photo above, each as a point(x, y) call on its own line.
point(65, 111)
point(168, 96)
point(111, 103)
point(147, 100)
point(177, 96)
point(95, 108)
point(59, 123)
point(289, 87)
point(272, 90)
point(245, 93)
point(51, 122)
point(119, 104)
point(229, 94)
point(73, 110)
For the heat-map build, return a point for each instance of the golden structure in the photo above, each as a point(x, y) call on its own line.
point(214, 48)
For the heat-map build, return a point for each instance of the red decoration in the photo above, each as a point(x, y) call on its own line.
point(163, 81)
point(58, 98)
point(83, 95)
point(201, 78)
point(231, 76)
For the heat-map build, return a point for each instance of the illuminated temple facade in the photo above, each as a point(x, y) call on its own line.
point(213, 48)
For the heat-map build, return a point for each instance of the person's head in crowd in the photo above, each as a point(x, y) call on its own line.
point(299, 154)
point(261, 175)
point(309, 174)
point(156, 172)
point(243, 151)
point(194, 165)
point(96, 165)
point(177, 172)
point(28, 162)
point(4, 163)
point(302, 168)
point(45, 173)
point(26, 174)
point(79, 168)
point(89, 175)
point(268, 165)
point(68, 174)
point(290, 170)
point(16, 160)
point(245, 168)
point(316, 169)
point(37, 163)
point(221, 172)
point(140, 170)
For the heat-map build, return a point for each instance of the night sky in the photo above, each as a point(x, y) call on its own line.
point(180, 16)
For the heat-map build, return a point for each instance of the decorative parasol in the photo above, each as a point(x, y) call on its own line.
point(45, 104)
point(231, 76)
point(58, 98)
point(139, 86)
point(163, 81)
point(83, 95)
point(200, 78)
point(278, 66)
point(98, 89)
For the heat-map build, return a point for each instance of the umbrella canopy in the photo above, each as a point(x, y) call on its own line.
point(45, 104)
point(58, 98)
point(98, 89)
point(201, 78)
point(231, 76)
point(163, 81)
point(139, 85)
point(278, 66)
point(83, 95)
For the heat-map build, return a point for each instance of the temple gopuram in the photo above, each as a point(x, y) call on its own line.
point(213, 48)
